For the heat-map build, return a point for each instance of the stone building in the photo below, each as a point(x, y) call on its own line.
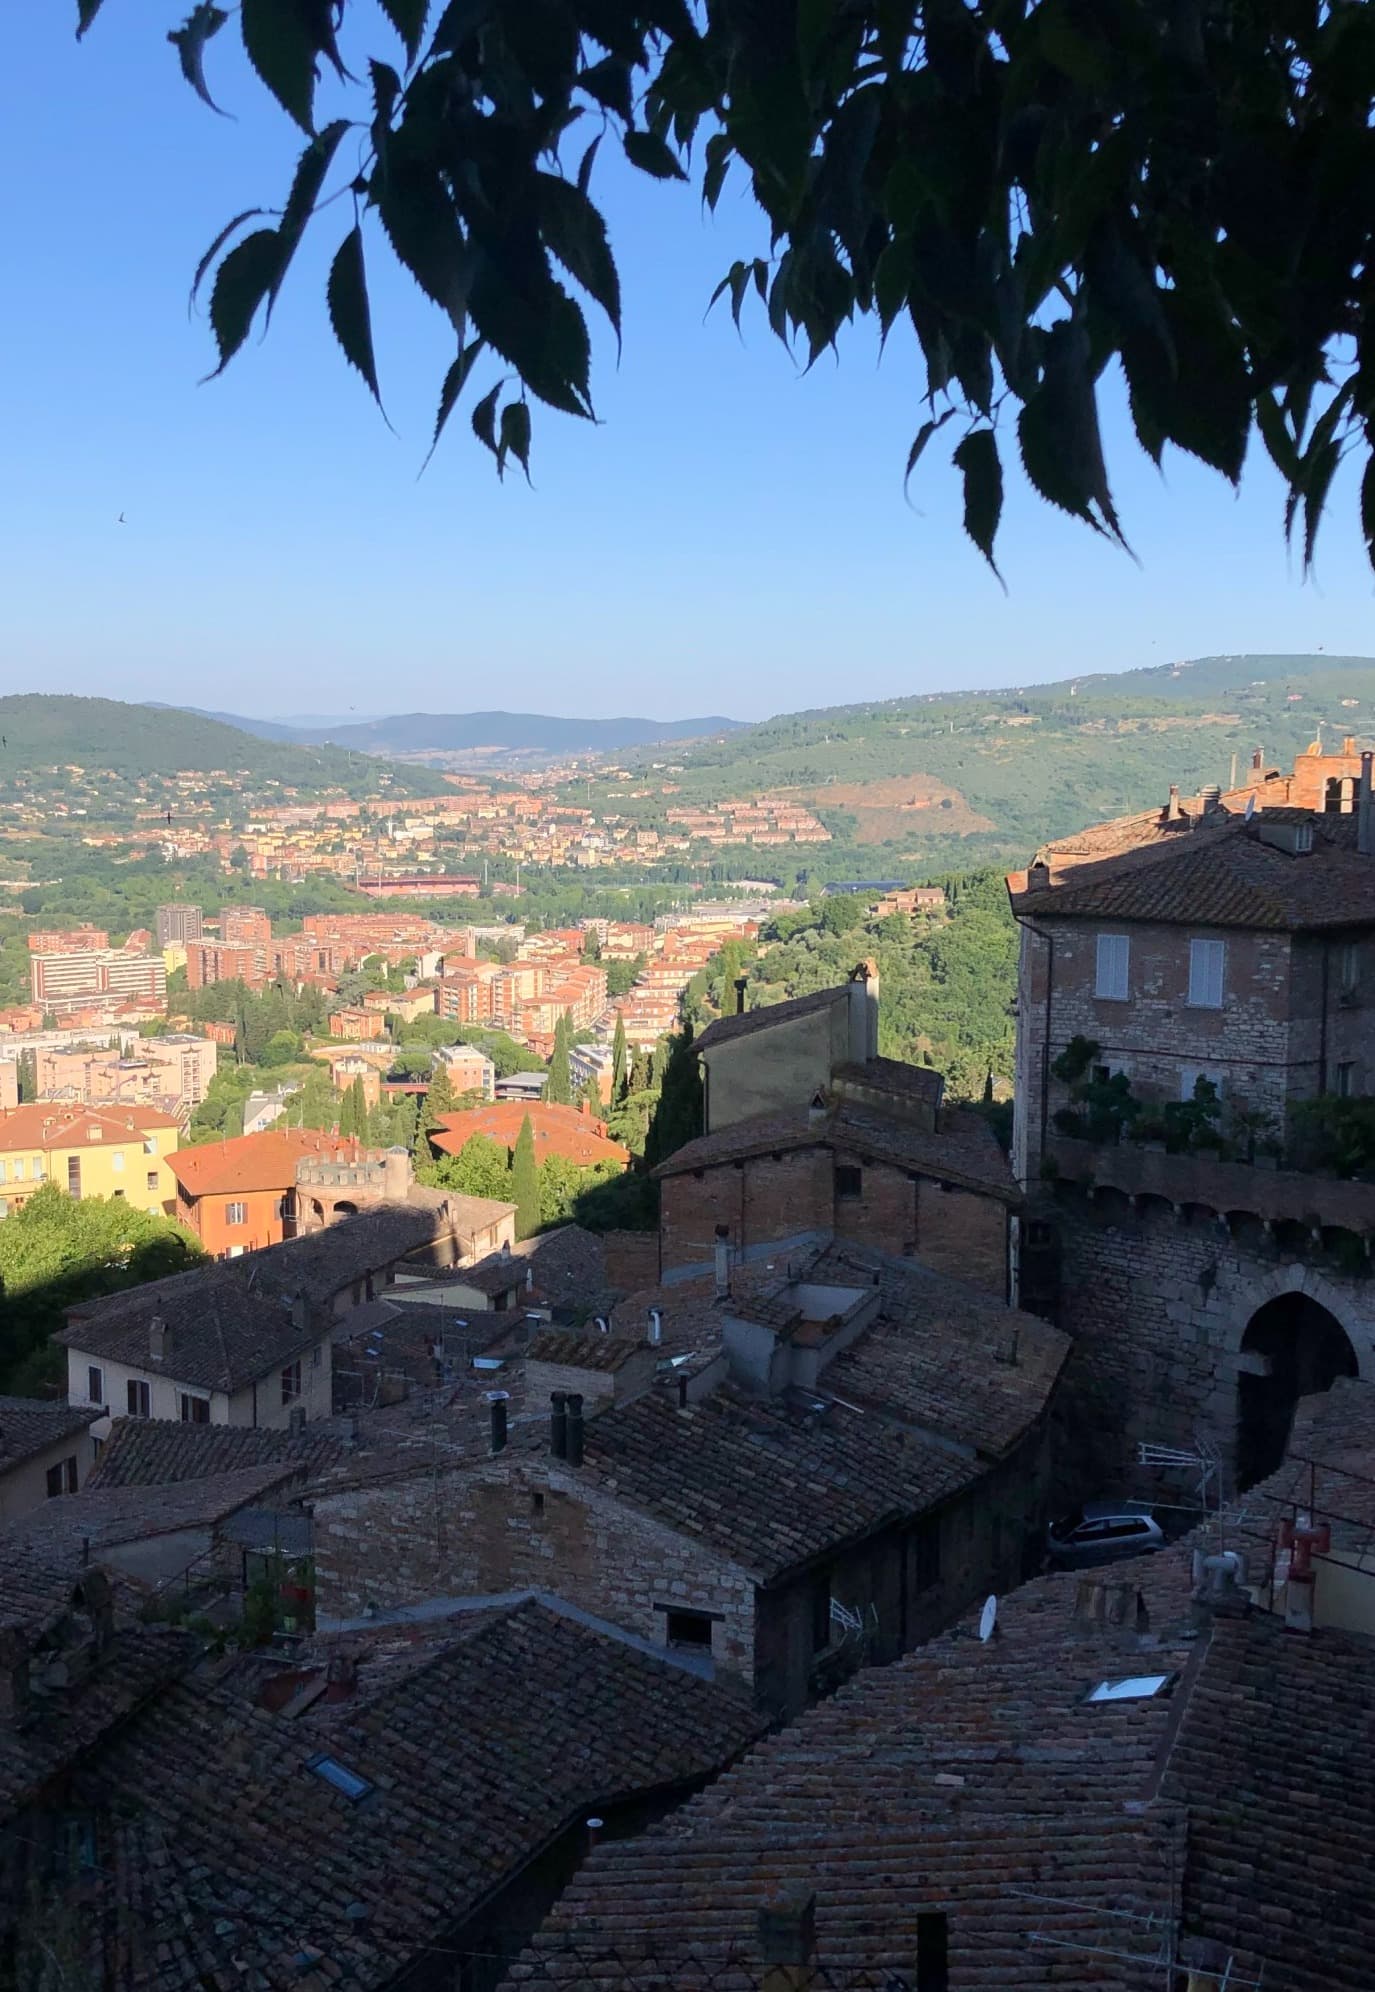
point(1196, 1241)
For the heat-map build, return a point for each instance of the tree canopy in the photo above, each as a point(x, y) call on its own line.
point(1032, 189)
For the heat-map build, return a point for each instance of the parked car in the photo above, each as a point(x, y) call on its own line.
point(1101, 1532)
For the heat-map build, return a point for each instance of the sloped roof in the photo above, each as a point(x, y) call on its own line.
point(249, 1162)
point(563, 1131)
point(51, 1124)
point(29, 1425)
point(104, 1517)
point(220, 1840)
point(158, 1452)
point(745, 1023)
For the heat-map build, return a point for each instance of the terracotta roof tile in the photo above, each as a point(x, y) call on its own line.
point(564, 1131)
point(158, 1452)
point(50, 1124)
point(29, 1425)
point(746, 1022)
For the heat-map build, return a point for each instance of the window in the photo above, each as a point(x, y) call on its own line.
point(194, 1410)
point(236, 1213)
point(341, 1777)
point(317, 1355)
point(73, 1175)
point(1206, 963)
point(119, 1194)
point(54, 1481)
point(117, 1164)
point(849, 1182)
point(18, 1170)
point(138, 1399)
point(927, 1563)
point(1134, 1687)
point(38, 1170)
point(1349, 966)
point(69, 1474)
point(95, 1384)
point(689, 1629)
point(62, 1477)
point(933, 1951)
point(150, 1144)
point(1189, 1076)
point(291, 1382)
point(821, 1613)
point(1113, 968)
point(151, 1179)
point(1346, 1079)
point(4, 1206)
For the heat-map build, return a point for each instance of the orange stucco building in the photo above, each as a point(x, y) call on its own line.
point(239, 1195)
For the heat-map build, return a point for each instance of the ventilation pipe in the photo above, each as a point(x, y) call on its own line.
point(722, 1262)
point(656, 1327)
point(574, 1428)
point(742, 983)
point(558, 1424)
point(497, 1400)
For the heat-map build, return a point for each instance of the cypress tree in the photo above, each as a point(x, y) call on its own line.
point(440, 1097)
point(525, 1181)
point(620, 1074)
point(559, 1091)
point(678, 1115)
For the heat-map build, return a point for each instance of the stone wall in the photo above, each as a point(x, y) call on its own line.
point(511, 1525)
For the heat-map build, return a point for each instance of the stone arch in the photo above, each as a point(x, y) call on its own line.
point(343, 1208)
point(1293, 1338)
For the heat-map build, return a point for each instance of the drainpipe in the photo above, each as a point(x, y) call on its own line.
point(1322, 1028)
point(1049, 940)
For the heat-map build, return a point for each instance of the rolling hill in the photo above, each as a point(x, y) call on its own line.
point(487, 733)
point(45, 730)
point(969, 777)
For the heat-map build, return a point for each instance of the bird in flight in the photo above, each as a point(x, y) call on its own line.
point(121, 518)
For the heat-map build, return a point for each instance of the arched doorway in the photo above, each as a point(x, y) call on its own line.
point(1292, 1347)
point(343, 1209)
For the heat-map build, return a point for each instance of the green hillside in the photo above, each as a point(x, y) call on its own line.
point(41, 731)
point(972, 777)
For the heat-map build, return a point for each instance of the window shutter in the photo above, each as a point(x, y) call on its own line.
point(1206, 959)
point(1113, 967)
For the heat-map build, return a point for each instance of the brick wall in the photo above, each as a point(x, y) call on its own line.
point(963, 1235)
point(884, 1213)
point(756, 1200)
point(509, 1525)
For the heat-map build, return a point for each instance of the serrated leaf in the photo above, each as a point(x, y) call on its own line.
point(575, 233)
point(537, 328)
point(484, 419)
point(282, 51)
point(515, 435)
point(585, 168)
point(649, 153)
point(455, 380)
point(417, 213)
point(1275, 435)
point(1317, 483)
point(189, 41)
point(609, 82)
point(241, 283)
point(1368, 509)
point(386, 88)
point(718, 165)
point(976, 458)
point(346, 294)
point(408, 18)
point(86, 11)
point(923, 437)
point(460, 20)
point(213, 251)
point(311, 169)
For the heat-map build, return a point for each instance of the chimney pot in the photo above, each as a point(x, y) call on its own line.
point(1257, 761)
point(787, 1924)
point(1172, 807)
point(497, 1399)
point(574, 1428)
point(558, 1424)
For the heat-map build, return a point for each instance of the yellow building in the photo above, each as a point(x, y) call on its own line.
point(117, 1152)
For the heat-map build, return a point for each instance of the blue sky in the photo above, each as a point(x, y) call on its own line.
point(732, 537)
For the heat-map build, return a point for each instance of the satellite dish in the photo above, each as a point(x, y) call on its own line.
point(988, 1619)
point(1250, 807)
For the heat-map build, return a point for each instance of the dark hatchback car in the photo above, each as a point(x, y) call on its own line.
point(1101, 1532)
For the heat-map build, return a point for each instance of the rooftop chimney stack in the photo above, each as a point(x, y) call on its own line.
point(1365, 812)
point(1257, 760)
point(1172, 806)
point(574, 1427)
point(497, 1399)
point(1212, 799)
point(1038, 875)
point(656, 1327)
point(558, 1424)
point(722, 1262)
point(742, 983)
point(863, 1012)
point(157, 1338)
point(787, 1924)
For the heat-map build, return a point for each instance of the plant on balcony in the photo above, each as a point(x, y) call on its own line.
point(1101, 1110)
point(1330, 1135)
point(1193, 1126)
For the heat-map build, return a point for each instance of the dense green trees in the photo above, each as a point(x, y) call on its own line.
point(559, 1091)
point(525, 1181)
point(56, 1250)
point(619, 1064)
point(678, 1116)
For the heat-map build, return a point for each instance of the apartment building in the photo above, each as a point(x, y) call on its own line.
point(177, 923)
point(119, 1152)
point(218, 961)
point(75, 978)
point(176, 1067)
point(245, 927)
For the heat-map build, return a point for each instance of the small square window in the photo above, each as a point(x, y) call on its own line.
point(689, 1629)
point(95, 1384)
point(291, 1382)
point(1346, 1079)
point(151, 1179)
point(849, 1181)
point(236, 1213)
point(117, 1164)
point(138, 1399)
point(194, 1410)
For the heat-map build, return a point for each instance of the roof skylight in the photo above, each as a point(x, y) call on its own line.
point(1133, 1687)
point(341, 1777)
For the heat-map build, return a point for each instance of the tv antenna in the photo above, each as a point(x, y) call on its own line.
point(988, 1618)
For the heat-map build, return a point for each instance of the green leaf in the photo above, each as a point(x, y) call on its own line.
point(189, 41)
point(417, 213)
point(575, 233)
point(282, 50)
point(215, 247)
point(814, 22)
point(515, 435)
point(311, 169)
point(585, 169)
point(1317, 483)
point(458, 23)
point(408, 18)
point(1061, 444)
point(455, 380)
point(535, 326)
point(86, 11)
point(1275, 435)
point(652, 156)
point(347, 297)
point(976, 456)
point(484, 419)
point(241, 283)
point(718, 165)
point(1368, 509)
point(609, 82)
point(924, 435)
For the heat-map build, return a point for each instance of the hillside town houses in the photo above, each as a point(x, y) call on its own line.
point(391, 1601)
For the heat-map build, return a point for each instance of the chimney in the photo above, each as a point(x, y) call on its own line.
point(1365, 812)
point(656, 1327)
point(594, 1832)
point(1101, 1602)
point(1257, 761)
point(497, 1399)
point(1212, 799)
point(787, 1924)
point(863, 1013)
point(157, 1338)
point(396, 1175)
point(1217, 1582)
point(1348, 745)
point(1172, 806)
point(300, 1312)
point(558, 1424)
point(1038, 875)
point(722, 1262)
point(742, 983)
point(575, 1428)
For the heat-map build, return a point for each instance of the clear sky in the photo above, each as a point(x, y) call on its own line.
point(733, 538)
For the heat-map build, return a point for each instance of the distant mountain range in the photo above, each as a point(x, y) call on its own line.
point(491, 733)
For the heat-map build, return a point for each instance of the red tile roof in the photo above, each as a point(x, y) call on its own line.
point(46, 1124)
point(248, 1162)
point(563, 1131)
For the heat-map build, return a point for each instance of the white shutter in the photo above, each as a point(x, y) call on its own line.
point(1113, 967)
point(1206, 960)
